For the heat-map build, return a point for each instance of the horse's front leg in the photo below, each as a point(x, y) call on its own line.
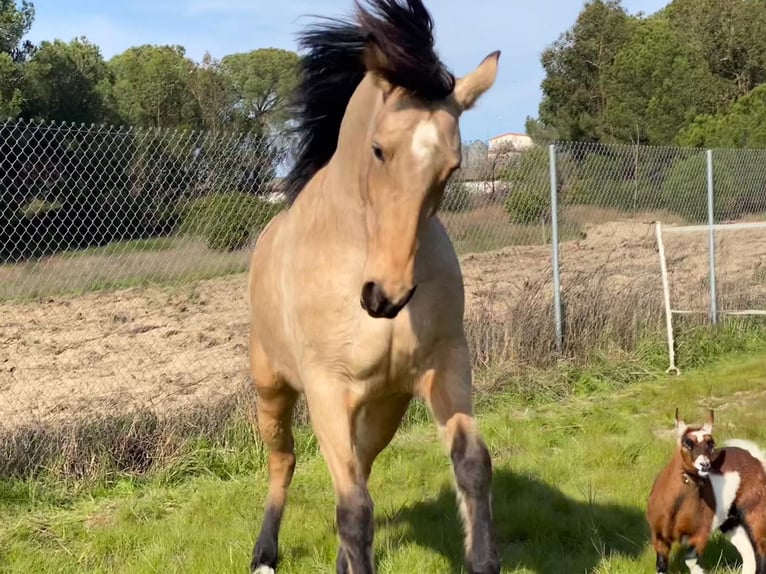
point(446, 388)
point(331, 420)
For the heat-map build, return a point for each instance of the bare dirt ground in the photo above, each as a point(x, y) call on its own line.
point(168, 347)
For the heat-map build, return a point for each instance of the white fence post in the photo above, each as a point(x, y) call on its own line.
point(555, 248)
point(666, 300)
point(711, 238)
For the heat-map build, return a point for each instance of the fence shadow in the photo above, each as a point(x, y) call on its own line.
point(537, 527)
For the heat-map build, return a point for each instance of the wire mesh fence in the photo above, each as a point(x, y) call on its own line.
point(611, 198)
point(123, 253)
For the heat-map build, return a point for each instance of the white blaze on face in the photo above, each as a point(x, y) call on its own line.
point(699, 462)
point(700, 434)
point(425, 140)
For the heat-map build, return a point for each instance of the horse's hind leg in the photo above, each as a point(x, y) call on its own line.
point(447, 390)
point(274, 409)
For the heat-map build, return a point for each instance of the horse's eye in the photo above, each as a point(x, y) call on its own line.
point(378, 151)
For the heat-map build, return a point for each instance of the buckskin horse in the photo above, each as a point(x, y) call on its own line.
point(355, 291)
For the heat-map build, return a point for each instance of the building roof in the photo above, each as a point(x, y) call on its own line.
point(508, 134)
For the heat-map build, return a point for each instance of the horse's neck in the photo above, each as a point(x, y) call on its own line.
point(328, 216)
point(333, 200)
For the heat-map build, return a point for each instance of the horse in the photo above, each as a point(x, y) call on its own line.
point(355, 291)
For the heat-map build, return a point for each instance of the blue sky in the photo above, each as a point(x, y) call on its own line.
point(464, 35)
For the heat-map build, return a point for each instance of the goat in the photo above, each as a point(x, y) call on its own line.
point(704, 489)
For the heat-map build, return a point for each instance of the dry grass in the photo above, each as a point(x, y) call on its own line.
point(127, 443)
point(609, 339)
point(486, 226)
point(120, 265)
point(613, 330)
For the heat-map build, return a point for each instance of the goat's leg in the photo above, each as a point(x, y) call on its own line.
point(662, 550)
point(757, 518)
point(697, 546)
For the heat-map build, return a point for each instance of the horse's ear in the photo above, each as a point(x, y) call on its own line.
point(375, 61)
point(469, 88)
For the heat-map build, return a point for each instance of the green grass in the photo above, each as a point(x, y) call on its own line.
point(571, 480)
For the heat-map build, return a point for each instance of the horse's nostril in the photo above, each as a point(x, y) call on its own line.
point(373, 299)
point(377, 304)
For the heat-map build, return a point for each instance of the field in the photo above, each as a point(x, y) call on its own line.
point(106, 339)
point(179, 339)
point(571, 479)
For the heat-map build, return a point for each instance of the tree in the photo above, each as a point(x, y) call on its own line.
point(657, 85)
point(15, 22)
point(575, 92)
point(743, 125)
point(728, 35)
point(67, 82)
point(10, 93)
point(262, 82)
point(213, 93)
point(152, 87)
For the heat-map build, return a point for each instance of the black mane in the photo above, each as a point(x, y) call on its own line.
point(333, 68)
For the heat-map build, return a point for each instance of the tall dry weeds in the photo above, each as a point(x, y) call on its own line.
point(510, 343)
point(600, 312)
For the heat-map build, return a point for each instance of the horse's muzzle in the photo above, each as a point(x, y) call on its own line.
point(378, 305)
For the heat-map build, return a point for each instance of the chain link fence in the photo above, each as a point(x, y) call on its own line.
point(611, 200)
point(123, 255)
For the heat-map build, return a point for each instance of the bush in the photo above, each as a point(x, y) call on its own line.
point(227, 221)
point(527, 207)
point(457, 198)
point(528, 178)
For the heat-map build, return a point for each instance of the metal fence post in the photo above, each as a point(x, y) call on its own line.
point(711, 238)
point(555, 247)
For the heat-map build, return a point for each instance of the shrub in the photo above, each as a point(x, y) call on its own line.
point(527, 207)
point(227, 221)
point(529, 196)
point(457, 198)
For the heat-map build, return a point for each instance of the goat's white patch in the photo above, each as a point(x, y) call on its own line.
point(425, 140)
point(263, 569)
point(741, 542)
point(694, 568)
point(725, 488)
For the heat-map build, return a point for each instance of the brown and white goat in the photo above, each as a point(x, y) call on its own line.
point(703, 489)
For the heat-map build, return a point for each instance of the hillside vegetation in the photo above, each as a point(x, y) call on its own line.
point(687, 74)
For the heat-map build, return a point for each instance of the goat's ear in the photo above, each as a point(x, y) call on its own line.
point(708, 428)
point(680, 426)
